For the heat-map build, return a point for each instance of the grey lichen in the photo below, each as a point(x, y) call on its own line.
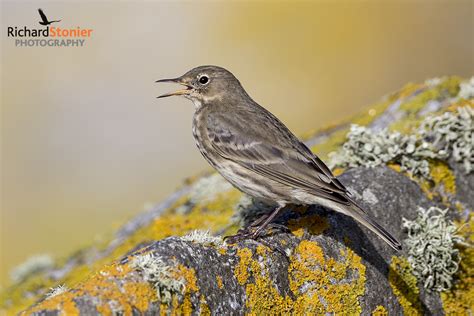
point(366, 148)
point(431, 248)
point(32, 265)
point(160, 275)
point(203, 237)
point(452, 133)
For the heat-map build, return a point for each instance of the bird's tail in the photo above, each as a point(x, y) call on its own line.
point(361, 216)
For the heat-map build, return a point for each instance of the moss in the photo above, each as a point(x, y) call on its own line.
point(315, 225)
point(404, 286)
point(379, 311)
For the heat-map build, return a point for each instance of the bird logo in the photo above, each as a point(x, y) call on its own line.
point(44, 19)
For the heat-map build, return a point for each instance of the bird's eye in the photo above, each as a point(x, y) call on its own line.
point(204, 79)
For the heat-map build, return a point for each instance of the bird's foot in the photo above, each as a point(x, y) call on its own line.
point(242, 234)
point(253, 232)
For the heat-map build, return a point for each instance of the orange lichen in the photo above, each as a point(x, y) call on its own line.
point(113, 288)
point(63, 302)
point(315, 224)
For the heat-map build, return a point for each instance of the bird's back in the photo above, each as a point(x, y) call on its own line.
point(261, 148)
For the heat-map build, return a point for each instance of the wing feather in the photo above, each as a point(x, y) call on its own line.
point(274, 152)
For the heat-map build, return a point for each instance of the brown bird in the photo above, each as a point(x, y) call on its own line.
point(258, 154)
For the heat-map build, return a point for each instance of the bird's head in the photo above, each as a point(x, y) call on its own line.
point(204, 84)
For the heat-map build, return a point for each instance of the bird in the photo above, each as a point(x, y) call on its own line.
point(254, 151)
point(44, 19)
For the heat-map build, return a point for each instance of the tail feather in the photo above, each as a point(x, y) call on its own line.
point(358, 214)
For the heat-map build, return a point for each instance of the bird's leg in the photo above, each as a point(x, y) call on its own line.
point(278, 226)
point(259, 220)
point(248, 233)
point(260, 228)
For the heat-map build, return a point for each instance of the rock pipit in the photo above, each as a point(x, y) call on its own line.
point(258, 154)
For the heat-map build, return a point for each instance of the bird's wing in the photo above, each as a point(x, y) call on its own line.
point(261, 143)
point(43, 16)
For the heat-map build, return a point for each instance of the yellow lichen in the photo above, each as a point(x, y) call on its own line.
point(443, 176)
point(220, 284)
point(460, 299)
point(330, 144)
point(320, 285)
point(315, 224)
point(379, 311)
point(404, 286)
point(241, 271)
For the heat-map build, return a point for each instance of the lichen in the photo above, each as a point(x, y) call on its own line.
point(161, 275)
point(438, 138)
point(114, 289)
point(203, 190)
point(31, 266)
point(431, 248)
point(319, 284)
point(326, 285)
point(315, 224)
point(379, 311)
point(203, 237)
point(460, 299)
point(443, 177)
point(56, 290)
point(404, 286)
point(466, 90)
point(452, 133)
point(366, 148)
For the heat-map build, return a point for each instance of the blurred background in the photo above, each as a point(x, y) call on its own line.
point(86, 145)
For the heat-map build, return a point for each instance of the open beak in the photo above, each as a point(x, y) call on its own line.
point(179, 92)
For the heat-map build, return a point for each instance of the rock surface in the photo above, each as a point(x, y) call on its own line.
point(324, 263)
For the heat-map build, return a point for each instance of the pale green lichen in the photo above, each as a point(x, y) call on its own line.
point(452, 133)
point(32, 265)
point(204, 190)
point(466, 90)
point(160, 275)
point(366, 148)
point(439, 137)
point(56, 291)
point(431, 248)
point(203, 237)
